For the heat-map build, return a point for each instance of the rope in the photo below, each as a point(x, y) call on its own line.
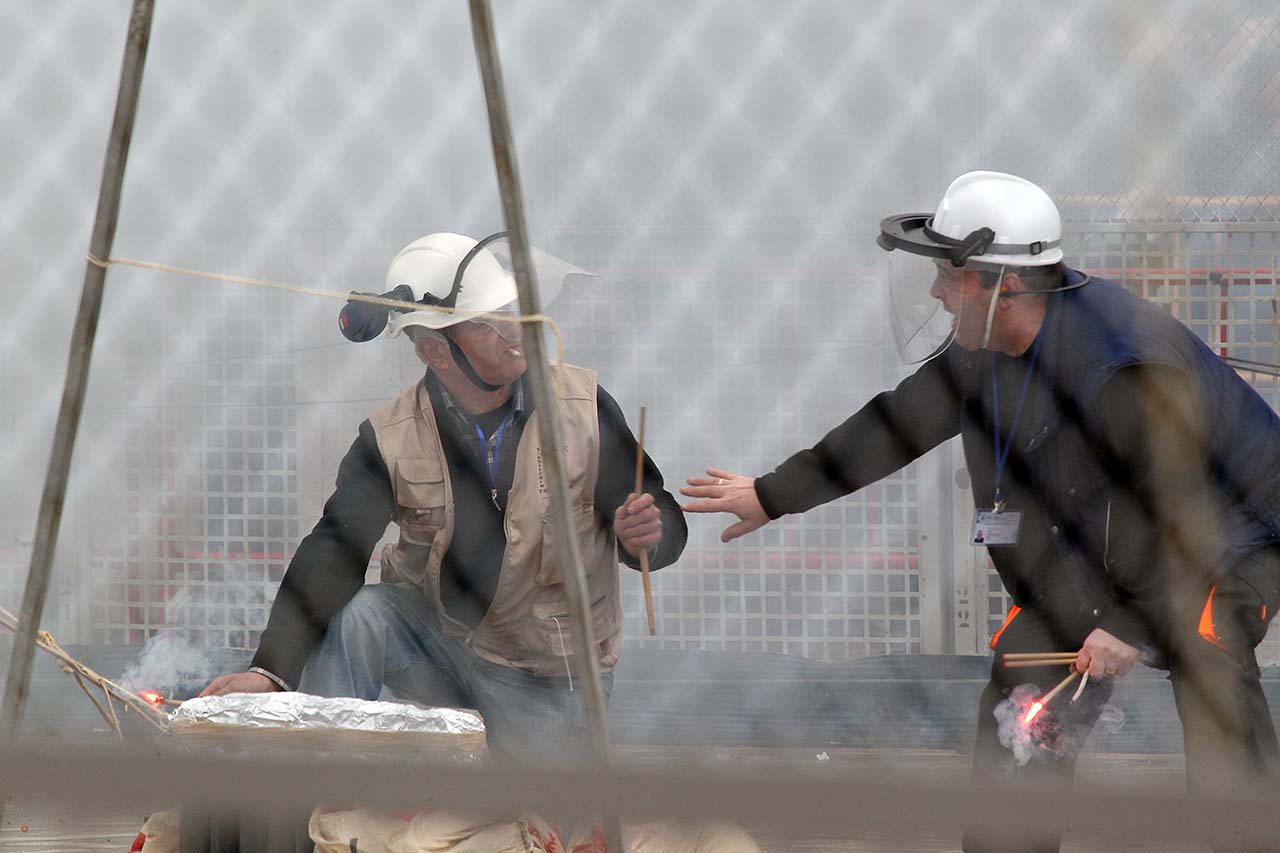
point(330, 294)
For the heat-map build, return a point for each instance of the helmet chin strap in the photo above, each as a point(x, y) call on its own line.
point(991, 309)
point(460, 358)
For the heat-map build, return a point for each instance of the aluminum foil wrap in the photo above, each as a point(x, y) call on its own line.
point(299, 721)
point(303, 711)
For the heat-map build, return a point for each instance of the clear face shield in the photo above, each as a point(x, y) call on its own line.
point(486, 283)
point(924, 296)
point(923, 276)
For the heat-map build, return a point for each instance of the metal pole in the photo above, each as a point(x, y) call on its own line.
point(575, 580)
point(82, 335)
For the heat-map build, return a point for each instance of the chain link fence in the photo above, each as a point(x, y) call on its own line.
point(722, 164)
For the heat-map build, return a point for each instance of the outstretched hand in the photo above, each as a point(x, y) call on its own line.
point(725, 492)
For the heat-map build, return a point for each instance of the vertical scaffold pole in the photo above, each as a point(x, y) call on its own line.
point(575, 581)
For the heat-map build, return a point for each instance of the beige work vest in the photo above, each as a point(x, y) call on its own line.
point(528, 625)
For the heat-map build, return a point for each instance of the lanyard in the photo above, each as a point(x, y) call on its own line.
point(1002, 449)
point(493, 455)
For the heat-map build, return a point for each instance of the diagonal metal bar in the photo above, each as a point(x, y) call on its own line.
point(73, 392)
point(575, 580)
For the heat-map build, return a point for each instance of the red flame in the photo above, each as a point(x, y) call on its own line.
point(1033, 711)
point(152, 697)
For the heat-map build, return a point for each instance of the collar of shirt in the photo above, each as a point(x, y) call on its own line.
point(465, 423)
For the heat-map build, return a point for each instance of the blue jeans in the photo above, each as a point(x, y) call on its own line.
point(387, 635)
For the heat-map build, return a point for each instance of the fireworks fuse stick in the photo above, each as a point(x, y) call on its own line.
point(644, 555)
point(1084, 680)
point(1062, 685)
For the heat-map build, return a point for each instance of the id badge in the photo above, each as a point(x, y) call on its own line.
point(994, 529)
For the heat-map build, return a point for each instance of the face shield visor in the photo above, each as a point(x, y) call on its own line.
point(487, 275)
point(923, 283)
point(924, 298)
point(490, 274)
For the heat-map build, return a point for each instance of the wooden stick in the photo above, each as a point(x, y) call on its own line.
point(1038, 655)
point(1061, 686)
point(644, 555)
point(114, 724)
point(1083, 681)
point(67, 663)
point(539, 371)
point(76, 382)
point(1027, 664)
point(115, 721)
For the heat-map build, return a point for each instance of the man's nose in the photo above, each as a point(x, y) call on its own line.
point(935, 290)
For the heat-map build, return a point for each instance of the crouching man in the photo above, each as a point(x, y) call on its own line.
point(471, 611)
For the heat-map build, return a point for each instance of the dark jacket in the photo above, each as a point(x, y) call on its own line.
point(1143, 465)
point(330, 564)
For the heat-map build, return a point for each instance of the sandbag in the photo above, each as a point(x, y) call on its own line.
point(430, 831)
point(670, 836)
point(161, 833)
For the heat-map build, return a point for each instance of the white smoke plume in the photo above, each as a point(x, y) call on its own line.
point(169, 661)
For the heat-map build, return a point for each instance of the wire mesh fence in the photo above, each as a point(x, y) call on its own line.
point(722, 165)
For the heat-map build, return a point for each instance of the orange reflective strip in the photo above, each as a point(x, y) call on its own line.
point(1206, 621)
point(1014, 610)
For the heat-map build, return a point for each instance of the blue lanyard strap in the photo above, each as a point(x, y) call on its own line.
point(1002, 449)
point(493, 451)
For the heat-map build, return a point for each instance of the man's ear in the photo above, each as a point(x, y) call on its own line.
point(433, 351)
point(1011, 282)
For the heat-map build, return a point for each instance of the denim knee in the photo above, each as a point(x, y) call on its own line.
point(368, 608)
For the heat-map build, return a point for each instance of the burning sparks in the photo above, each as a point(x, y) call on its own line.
point(152, 698)
point(1033, 711)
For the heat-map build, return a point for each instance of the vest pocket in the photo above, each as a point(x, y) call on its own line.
point(555, 629)
point(588, 531)
point(420, 500)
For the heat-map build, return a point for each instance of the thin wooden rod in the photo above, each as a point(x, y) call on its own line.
point(575, 579)
point(18, 683)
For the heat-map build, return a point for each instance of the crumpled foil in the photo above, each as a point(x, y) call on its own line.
point(304, 711)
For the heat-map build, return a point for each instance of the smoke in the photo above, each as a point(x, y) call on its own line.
point(1060, 728)
point(169, 662)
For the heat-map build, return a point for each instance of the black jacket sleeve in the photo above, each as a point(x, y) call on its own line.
point(330, 564)
point(617, 479)
point(886, 434)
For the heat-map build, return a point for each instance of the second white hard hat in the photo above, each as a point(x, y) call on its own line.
point(983, 218)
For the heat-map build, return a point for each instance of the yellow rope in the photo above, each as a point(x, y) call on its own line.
point(332, 294)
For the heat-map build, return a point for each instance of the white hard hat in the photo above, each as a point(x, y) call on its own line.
point(454, 272)
point(984, 218)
